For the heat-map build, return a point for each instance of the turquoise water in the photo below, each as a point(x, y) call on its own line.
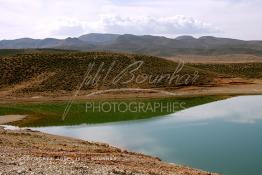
point(223, 137)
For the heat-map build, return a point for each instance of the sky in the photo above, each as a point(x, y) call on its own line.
point(240, 19)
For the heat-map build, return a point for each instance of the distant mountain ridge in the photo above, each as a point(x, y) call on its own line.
point(147, 44)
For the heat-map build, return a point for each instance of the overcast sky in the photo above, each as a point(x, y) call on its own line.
point(240, 19)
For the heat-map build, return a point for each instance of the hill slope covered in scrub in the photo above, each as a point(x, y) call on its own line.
point(64, 71)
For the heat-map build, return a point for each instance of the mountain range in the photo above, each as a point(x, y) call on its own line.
point(146, 44)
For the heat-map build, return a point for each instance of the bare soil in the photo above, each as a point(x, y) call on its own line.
point(10, 118)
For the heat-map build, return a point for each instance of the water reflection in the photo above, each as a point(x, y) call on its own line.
point(245, 109)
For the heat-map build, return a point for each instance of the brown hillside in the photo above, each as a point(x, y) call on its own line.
point(64, 72)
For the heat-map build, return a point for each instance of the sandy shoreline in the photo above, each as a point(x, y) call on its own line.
point(31, 152)
point(10, 118)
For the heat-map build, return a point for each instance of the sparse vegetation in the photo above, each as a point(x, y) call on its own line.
point(243, 70)
point(65, 71)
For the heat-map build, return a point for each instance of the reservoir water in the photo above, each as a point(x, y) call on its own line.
point(223, 136)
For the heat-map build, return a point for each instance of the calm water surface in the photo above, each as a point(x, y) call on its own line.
point(224, 136)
